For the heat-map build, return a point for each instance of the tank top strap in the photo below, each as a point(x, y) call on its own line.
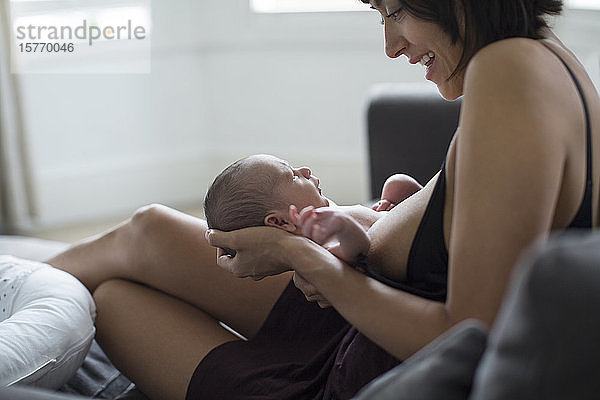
point(583, 218)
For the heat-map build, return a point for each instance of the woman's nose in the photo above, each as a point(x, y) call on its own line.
point(305, 172)
point(395, 43)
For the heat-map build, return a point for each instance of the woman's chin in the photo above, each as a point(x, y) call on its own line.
point(449, 90)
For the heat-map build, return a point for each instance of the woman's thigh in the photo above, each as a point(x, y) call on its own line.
point(153, 338)
point(166, 250)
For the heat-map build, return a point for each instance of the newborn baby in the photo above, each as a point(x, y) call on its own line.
point(263, 190)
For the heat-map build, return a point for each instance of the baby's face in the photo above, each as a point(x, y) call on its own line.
point(297, 186)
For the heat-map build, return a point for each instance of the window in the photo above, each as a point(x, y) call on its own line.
point(289, 6)
point(584, 4)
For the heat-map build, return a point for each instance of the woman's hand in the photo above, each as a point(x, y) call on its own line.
point(310, 291)
point(257, 251)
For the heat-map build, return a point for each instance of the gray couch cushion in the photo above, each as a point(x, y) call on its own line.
point(409, 128)
point(442, 370)
point(546, 343)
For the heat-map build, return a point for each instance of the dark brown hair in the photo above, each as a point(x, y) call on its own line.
point(241, 197)
point(485, 21)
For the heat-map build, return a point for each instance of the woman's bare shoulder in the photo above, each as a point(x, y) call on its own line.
point(517, 86)
point(511, 52)
point(515, 65)
point(517, 115)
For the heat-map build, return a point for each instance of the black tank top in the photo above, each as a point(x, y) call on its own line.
point(427, 267)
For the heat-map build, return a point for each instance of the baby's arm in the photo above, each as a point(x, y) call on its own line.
point(325, 224)
point(395, 190)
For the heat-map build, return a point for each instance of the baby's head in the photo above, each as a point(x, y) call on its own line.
point(258, 190)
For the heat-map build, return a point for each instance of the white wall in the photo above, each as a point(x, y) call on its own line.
point(225, 83)
point(580, 30)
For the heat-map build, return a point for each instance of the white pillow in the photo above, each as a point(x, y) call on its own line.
point(46, 323)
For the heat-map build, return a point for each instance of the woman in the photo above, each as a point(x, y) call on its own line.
point(523, 163)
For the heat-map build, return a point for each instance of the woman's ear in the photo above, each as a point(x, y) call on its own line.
point(281, 221)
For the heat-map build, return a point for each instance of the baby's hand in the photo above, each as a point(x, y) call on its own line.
point(318, 224)
point(383, 205)
point(324, 224)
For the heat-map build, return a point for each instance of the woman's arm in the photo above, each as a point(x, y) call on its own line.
point(397, 321)
point(519, 117)
point(507, 177)
point(505, 183)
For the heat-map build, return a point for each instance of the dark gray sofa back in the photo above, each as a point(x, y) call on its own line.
point(409, 129)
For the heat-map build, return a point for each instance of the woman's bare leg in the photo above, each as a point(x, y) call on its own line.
point(166, 250)
point(153, 338)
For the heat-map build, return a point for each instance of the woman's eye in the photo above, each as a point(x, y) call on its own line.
point(396, 15)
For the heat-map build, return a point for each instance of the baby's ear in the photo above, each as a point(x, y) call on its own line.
point(281, 221)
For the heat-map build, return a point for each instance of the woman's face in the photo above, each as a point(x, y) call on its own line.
point(423, 42)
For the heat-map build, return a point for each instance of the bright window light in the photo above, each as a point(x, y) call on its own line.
point(584, 4)
point(291, 6)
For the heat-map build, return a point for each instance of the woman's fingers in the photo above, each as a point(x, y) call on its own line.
point(225, 261)
point(228, 251)
point(324, 303)
point(225, 254)
point(310, 291)
point(223, 240)
point(249, 252)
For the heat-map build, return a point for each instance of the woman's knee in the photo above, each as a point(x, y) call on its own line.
point(158, 229)
point(151, 216)
point(158, 222)
point(107, 294)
